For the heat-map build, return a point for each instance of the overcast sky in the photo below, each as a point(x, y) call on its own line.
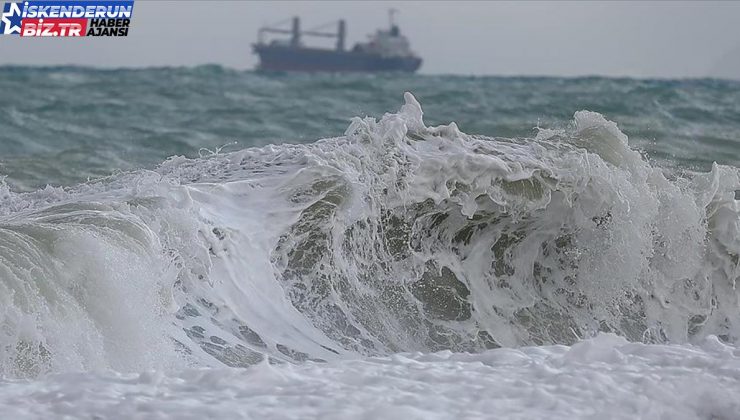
point(645, 39)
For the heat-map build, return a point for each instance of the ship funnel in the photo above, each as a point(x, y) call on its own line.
point(341, 33)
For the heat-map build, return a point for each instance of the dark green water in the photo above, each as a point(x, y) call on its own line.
point(61, 126)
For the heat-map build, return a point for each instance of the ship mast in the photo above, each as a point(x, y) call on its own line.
point(296, 33)
point(341, 34)
point(391, 19)
point(295, 36)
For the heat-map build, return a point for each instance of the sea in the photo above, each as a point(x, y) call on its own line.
point(205, 242)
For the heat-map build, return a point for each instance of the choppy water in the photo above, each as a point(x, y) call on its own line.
point(63, 125)
point(320, 236)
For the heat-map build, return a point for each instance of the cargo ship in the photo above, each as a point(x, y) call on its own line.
point(386, 50)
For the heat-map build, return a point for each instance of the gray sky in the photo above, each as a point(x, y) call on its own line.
point(647, 39)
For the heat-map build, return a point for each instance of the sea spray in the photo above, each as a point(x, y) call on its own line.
point(394, 237)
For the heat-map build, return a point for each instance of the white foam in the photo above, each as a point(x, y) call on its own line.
point(604, 377)
point(397, 237)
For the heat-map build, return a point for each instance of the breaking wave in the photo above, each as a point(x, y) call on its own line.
point(395, 237)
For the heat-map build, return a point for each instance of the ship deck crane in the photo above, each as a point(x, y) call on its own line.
point(296, 33)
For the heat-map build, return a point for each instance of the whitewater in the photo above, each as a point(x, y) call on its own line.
point(401, 270)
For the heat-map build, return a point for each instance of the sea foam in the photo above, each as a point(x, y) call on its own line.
point(396, 237)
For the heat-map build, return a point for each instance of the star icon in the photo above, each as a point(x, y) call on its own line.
point(10, 22)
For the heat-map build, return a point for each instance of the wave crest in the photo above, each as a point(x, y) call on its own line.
point(394, 237)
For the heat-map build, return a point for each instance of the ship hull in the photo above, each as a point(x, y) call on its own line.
point(287, 58)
